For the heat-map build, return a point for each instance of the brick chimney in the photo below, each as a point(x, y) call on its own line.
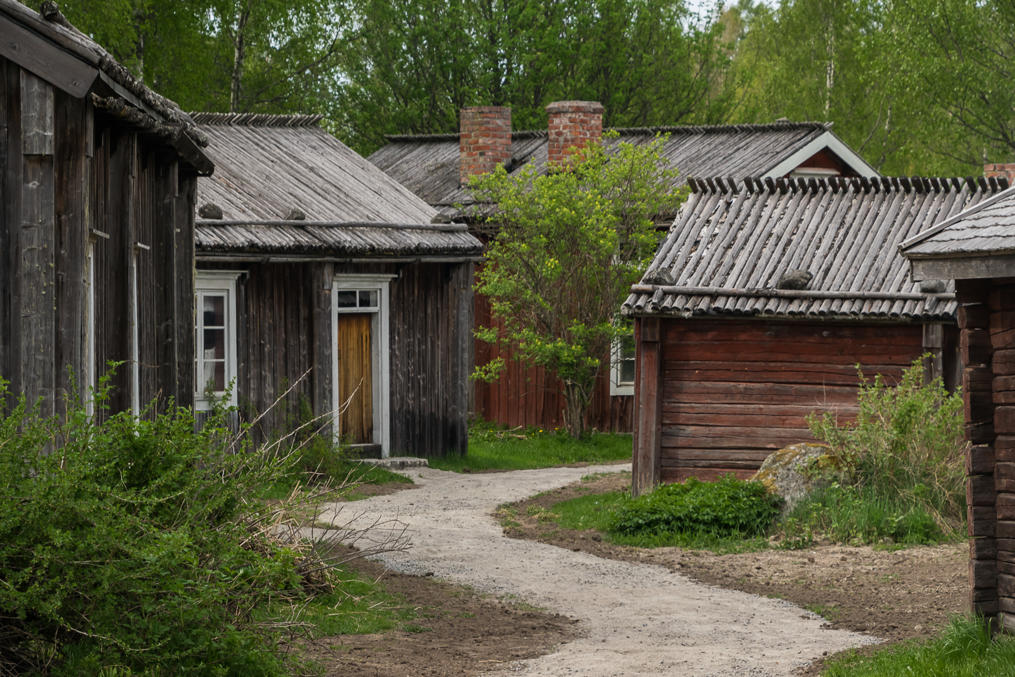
point(572, 124)
point(1000, 170)
point(484, 140)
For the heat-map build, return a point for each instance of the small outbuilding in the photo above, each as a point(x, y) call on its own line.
point(976, 248)
point(436, 167)
point(762, 301)
point(97, 222)
point(321, 277)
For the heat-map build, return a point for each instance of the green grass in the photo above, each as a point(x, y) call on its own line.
point(596, 512)
point(965, 649)
point(345, 471)
point(862, 516)
point(511, 450)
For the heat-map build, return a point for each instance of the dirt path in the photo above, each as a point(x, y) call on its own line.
point(636, 619)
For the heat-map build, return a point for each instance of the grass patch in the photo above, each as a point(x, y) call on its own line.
point(347, 473)
point(965, 649)
point(599, 512)
point(861, 515)
point(517, 450)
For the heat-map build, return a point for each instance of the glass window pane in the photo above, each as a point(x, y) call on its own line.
point(626, 371)
point(214, 311)
point(215, 376)
point(346, 299)
point(368, 299)
point(215, 344)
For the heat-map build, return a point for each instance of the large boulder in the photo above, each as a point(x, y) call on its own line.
point(795, 471)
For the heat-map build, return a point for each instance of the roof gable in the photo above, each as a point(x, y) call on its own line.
point(733, 241)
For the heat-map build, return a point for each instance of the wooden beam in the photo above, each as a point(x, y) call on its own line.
point(41, 57)
point(648, 399)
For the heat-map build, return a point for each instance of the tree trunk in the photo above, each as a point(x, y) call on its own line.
point(577, 398)
point(239, 54)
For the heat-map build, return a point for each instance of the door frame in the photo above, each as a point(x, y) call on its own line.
point(379, 353)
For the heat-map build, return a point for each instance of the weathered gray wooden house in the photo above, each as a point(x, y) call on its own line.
point(96, 232)
point(763, 299)
point(313, 264)
point(977, 249)
point(435, 167)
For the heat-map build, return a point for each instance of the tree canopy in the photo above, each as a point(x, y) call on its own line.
point(916, 86)
point(569, 245)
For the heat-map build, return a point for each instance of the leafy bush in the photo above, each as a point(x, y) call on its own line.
point(727, 507)
point(130, 546)
point(905, 447)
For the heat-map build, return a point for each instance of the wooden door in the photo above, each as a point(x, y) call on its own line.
point(355, 378)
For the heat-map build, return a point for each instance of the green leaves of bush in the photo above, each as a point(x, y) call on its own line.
point(724, 508)
point(131, 546)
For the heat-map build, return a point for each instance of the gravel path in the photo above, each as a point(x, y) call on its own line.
point(636, 619)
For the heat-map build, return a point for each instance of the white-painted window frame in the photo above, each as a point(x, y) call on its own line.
point(215, 283)
point(380, 348)
point(618, 388)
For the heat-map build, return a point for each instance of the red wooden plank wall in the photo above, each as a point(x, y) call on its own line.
point(528, 396)
point(734, 391)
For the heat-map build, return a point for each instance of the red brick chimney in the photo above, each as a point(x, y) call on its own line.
point(572, 124)
point(484, 140)
point(1000, 170)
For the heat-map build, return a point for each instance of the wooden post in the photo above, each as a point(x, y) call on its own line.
point(322, 346)
point(981, 496)
point(647, 405)
point(933, 344)
point(34, 260)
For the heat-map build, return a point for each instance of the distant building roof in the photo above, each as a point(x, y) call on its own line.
point(733, 242)
point(54, 50)
point(284, 185)
point(428, 165)
point(978, 242)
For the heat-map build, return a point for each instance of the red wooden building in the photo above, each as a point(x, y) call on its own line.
point(977, 249)
point(760, 304)
point(435, 167)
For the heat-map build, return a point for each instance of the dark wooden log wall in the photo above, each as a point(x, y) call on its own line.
point(530, 397)
point(730, 392)
point(987, 342)
point(72, 177)
point(284, 332)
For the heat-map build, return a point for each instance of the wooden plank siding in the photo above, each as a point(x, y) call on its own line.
point(528, 396)
point(74, 178)
point(734, 391)
point(284, 333)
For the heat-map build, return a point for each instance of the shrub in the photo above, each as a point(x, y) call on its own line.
point(131, 546)
point(905, 446)
point(724, 508)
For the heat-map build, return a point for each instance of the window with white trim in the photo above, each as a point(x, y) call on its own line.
point(215, 354)
point(622, 358)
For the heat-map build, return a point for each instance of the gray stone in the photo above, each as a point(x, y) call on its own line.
point(795, 471)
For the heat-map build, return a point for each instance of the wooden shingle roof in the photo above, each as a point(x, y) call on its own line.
point(285, 185)
point(733, 242)
point(428, 165)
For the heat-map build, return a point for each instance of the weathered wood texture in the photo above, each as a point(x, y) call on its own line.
point(529, 396)
point(734, 391)
point(987, 324)
point(71, 177)
point(284, 332)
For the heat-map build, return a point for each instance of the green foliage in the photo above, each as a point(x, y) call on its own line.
point(496, 449)
point(725, 508)
point(858, 516)
point(132, 545)
point(569, 245)
point(965, 649)
point(905, 449)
